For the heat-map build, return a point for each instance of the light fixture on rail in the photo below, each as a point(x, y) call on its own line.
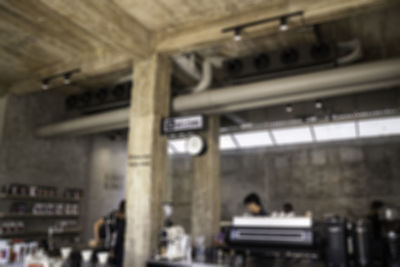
point(289, 108)
point(238, 35)
point(65, 75)
point(284, 25)
point(45, 84)
point(67, 78)
point(283, 19)
point(319, 104)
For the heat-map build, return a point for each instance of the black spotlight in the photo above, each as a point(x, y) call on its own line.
point(318, 104)
point(283, 25)
point(289, 108)
point(237, 34)
point(45, 84)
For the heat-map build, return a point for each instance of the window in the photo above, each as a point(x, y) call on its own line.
point(171, 150)
point(226, 142)
point(301, 134)
point(253, 139)
point(293, 135)
point(379, 127)
point(178, 145)
point(335, 131)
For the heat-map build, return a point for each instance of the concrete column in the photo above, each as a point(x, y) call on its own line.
point(147, 158)
point(3, 106)
point(206, 202)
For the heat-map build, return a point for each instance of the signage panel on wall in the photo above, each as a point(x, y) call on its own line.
point(183, 124)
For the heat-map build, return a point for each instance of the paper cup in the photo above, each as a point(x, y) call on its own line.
point(102, 257)
point(87, 255)
point(66, 252)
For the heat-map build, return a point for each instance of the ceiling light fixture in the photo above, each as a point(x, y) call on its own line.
point(237, 29)
point(67, 78)
point(45, 84)
point(284, 25)
point(289, 108)
point(319, 104)
point(238, 35)
point(66, 75)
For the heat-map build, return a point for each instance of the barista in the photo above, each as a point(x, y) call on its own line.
point(375, 210)
point(374, 216)
point(288, 210)
point(254, 205)
point(109, 233)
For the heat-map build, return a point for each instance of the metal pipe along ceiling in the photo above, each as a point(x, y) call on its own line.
point(340, 81)
point(317, 81)
point(106, 121)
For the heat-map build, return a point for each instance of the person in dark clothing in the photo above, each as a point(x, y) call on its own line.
point(254, 205)
point(118, 250)
point(375, 209)
point(109, 234)
point(288, 208)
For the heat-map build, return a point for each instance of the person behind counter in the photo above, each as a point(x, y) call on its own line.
point(374, 216)
point(109, 233)
point(288, 210)
point(254, 205)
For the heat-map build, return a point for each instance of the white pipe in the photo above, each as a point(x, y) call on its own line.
point(323, 80)
point(306, 96)
point(188, 65)
point(354, 55)
point(207, 74)
point(107, 121)
point(362, 77)
point(206, 79)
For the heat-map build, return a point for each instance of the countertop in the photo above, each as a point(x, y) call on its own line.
point(154, 263)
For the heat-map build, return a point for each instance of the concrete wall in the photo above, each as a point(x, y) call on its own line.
point(94, 163)
point(340, 178)
point(24, 158)
point(106, 179)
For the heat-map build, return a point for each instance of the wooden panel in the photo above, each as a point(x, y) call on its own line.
point(90, 65)
point(44, 20)
point(162, 14)
point(190, 38)
point(108, 22)
point(25, 35)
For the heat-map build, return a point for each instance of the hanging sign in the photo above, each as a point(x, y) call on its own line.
point(183, 124)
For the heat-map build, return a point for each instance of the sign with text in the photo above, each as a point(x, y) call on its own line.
point(183, 124)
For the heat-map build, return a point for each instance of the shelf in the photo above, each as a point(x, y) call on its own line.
point(33, 216)
point(38, 199)
point(40, 234)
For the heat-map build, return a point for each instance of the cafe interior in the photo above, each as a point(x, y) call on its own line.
point(210, 133)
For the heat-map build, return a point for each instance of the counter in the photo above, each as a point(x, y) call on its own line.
point(154, 263)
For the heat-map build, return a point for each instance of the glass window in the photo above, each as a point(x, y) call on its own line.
point(178, 145)
point(226, 142)
point(253, 139)
point(335, 131)
point(293, 135)
point(379, 127)
point(170, 149)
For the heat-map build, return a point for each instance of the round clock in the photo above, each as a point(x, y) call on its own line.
point(196, 145)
